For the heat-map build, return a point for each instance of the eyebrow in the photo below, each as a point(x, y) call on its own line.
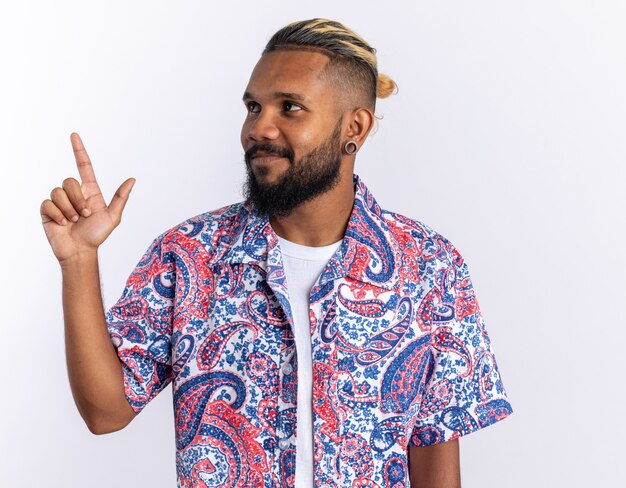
point(279, 94)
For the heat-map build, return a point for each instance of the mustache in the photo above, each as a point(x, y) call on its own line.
point(282, 152)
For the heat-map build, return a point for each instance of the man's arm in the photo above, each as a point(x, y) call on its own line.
point(435, 466)
point(76, 220)
point(94, 370)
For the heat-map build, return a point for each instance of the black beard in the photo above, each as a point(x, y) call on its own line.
point(313, 174)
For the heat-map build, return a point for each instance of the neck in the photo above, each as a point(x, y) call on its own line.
point(321, 221)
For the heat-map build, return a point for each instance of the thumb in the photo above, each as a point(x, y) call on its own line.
point(118, 202)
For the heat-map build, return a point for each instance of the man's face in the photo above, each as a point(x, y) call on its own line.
point(292, 132)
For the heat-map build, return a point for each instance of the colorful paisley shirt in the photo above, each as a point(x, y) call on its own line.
point(401, 356)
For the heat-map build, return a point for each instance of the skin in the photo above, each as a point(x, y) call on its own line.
point(290, 103)
point(301, 124)
point(76, 220)
point(436, 466)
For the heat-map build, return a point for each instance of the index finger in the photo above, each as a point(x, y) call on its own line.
point(85, 169)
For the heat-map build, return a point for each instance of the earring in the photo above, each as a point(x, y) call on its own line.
point(347, 149)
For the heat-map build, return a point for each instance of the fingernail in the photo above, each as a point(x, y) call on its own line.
point(86, 212)
point(75, 218)
point(64, 222)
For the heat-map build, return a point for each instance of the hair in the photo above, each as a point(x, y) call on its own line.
point(352, 62)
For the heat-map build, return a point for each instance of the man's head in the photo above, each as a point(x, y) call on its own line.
point(313, 90)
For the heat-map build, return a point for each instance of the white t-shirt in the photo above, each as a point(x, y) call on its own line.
point(303, 265)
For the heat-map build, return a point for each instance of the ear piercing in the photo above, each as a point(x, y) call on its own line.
point(351, 147)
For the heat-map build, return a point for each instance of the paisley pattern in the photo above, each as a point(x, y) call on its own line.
point(401, 356)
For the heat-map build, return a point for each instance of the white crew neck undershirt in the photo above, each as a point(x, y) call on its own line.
point(303, 265)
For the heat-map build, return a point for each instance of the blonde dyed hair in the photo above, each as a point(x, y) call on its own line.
point(353, 61)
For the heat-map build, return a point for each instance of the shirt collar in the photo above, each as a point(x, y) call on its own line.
point(366, 253)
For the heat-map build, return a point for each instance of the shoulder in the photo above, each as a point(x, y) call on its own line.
point(206, 233)
point(415, 239)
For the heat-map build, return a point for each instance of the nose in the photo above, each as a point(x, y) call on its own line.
point(259, 128)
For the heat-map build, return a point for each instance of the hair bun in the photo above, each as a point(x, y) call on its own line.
point(385, 86)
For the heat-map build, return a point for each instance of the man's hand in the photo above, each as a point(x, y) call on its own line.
point(76, 218)
point(435, 466)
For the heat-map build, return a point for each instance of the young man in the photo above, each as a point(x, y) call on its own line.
point(310, 336)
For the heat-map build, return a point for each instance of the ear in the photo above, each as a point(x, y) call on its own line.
point(361, 121)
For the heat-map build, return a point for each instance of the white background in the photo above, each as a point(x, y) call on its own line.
point(507, 136)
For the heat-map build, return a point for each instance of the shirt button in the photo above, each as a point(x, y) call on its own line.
point(283, 444)
point(287, 368)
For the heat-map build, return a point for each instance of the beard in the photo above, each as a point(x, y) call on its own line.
point(312, 175)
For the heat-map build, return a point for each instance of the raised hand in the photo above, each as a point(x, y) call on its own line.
point(76, 218)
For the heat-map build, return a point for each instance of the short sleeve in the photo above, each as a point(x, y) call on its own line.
point(464, 391)
point(140, 327)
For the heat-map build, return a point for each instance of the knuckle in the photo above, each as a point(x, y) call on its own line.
point(69, 182)
point(56, 192)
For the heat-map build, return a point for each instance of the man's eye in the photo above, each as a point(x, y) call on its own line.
point(253, 107)
point(291, 107)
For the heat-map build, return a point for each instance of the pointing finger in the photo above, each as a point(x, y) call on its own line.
point(85, 169)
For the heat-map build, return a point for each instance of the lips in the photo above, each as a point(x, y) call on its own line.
point(262, 157)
